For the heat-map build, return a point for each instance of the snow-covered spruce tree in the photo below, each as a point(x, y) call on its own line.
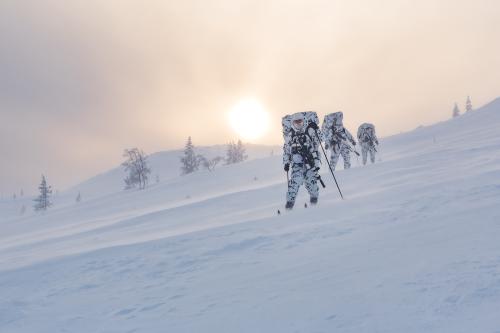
point(78, 197)
point(456, 111)
point(235, 153)
point(137, 167)
point(23, 210)
point(240, 152)
point(190, 162)
point(468, 104)
point(230, 153)
point(42, 202)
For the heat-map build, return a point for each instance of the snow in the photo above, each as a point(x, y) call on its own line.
point(413, 248)
point(164, 164)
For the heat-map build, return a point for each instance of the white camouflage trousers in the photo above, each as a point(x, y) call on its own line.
point(301, 175)
point(365, 149)
point(337, 152)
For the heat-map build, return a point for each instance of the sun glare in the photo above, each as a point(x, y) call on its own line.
point(249, 119)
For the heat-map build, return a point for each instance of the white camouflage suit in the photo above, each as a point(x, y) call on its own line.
point(338, 139)
point(300, 153)
point(367, 140)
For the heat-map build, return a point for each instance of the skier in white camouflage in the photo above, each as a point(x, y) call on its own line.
point(338, 139)
point(300, 155)
point(367, 140)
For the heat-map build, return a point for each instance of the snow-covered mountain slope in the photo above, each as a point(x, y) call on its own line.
point(413, 248)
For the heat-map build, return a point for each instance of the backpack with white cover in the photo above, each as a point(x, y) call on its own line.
point(309, 117)
point(331, 119)
point(364, 128)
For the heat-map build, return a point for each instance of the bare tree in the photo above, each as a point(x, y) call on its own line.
point(78, 197)
point(42, 202)
point(210, 164)
point(137, 167)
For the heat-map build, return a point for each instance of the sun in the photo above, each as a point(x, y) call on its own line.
point(249, 119)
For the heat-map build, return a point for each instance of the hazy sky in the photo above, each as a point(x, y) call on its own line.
point(81, 80)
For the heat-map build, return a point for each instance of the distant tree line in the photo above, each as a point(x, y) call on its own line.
point(468, 107)
point(191, 162)
point(138, 171)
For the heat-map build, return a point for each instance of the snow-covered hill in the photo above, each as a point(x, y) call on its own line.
point(413, 248)
point(165, 165)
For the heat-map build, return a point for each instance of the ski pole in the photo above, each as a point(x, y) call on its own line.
point(328, 162)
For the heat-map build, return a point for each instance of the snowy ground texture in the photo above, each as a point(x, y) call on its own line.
point(415, 247)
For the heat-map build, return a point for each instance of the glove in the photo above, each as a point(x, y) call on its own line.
point(313, 125)
point(287, 167)
point(327, 146)
point(376, 142)
point(353, 143)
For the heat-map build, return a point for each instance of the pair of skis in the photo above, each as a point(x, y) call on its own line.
point(305, 206)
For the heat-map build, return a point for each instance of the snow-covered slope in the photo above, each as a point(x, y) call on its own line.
point(413, 248)
point(165, 165)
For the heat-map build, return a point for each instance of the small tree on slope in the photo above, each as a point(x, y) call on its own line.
point(42, 202)
point(240, 152)
point(456, 111)
point(468, 105)
point(235, 153)
point(190, 162)
point(137, 167)
point(210, 164)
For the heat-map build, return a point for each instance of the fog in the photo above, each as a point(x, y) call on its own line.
point(81, 80)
